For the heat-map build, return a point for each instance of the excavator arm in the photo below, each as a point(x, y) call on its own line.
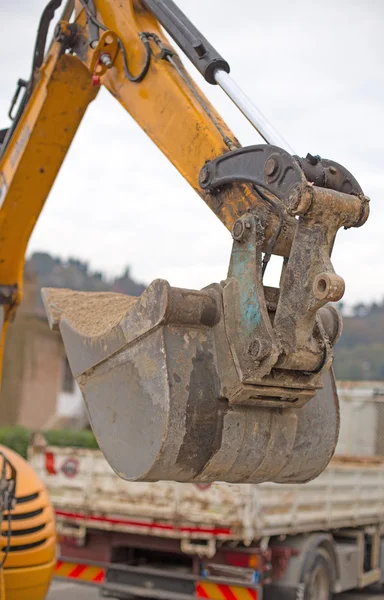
point(232, 382)
point(164, 101)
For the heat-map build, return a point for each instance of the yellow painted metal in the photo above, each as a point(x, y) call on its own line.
point(28, 483)
point(170, 111)
point(172, 116)
point(36, 556)
point(163, 104)
point(2, 585)
point(165, 107)
point(108, 44)
point(27, 572)
point(28, 583)
point(35, 153)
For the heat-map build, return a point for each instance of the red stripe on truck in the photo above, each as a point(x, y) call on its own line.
point(200, 591)
point(159, 526)
point(227, 592)
point(100, 577)
point(77, 571)
point(50, 463)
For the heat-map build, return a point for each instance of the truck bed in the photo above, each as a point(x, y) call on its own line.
point(85, 491)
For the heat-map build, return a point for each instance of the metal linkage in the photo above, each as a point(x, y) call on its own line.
point(299, 342)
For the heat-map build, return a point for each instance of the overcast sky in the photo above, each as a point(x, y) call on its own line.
point(315, 68)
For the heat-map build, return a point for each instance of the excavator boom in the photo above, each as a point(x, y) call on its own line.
point(233, 382)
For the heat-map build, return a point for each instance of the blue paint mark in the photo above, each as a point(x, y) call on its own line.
point(241, 269)
point(250, 313)
point(249, 305)
point(240, 266)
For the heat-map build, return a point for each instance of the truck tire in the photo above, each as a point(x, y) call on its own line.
point(319, 576)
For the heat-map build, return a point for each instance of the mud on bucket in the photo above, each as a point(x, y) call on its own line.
point(155, 373)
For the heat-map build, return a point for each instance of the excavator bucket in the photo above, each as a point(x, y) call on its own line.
point(166, 399)
point(230, 383)
point(233, 382)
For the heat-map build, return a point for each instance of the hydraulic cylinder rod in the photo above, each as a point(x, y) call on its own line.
point(250, 111)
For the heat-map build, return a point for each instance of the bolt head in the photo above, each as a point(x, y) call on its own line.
point(258, 349)
point(106, 60)
point(238, 230)
point(204, 176)
point(271, 166)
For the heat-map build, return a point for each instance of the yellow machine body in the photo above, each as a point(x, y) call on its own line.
point(31, 558)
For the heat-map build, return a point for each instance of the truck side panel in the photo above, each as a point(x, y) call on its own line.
point(84, 488)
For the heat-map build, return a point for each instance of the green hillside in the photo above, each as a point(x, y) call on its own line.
point(359, 354)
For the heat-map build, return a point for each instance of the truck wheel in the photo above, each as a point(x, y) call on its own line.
point(319, 577)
